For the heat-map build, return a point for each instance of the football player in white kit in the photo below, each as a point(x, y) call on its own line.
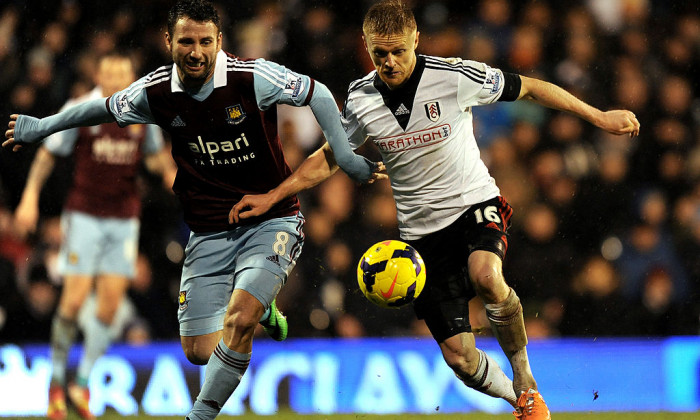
point(417, 110)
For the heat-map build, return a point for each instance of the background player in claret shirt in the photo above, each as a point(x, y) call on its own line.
point(220, 112)
point(100, 225)
point(417, 110)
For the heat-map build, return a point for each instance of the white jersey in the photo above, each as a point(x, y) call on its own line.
point(425, 134)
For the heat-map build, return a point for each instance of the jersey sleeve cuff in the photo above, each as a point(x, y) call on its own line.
point(511, 87)
point(312, 83)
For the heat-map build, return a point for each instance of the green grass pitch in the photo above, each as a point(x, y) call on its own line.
point(286, 415)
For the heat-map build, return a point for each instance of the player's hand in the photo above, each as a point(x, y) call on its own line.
point(10, 134)
point(620, 122)
point(378, 173)
point(250, 206)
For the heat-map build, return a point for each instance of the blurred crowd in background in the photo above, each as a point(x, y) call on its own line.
point(606, 232)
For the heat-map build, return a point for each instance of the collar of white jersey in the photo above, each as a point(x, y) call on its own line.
point(219, 74)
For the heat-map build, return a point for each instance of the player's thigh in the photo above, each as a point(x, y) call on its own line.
point(444, 301)
point(110, 290)
point(268, 257)
point(120, 247)
point(256, 259)
point(82, 244)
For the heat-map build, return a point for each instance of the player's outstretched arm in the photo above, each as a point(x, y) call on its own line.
point(24, 129)
point(316, 168)
point(326, 111)
point(552, 96)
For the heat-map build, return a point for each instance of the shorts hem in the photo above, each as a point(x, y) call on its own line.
point(197, 327)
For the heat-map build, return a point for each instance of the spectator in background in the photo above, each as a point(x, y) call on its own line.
point(594, 306)
point(648, 245)
point(655, 313)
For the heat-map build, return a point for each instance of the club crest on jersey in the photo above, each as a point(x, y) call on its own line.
point(235, 114)
point(432, 111)
point(182, 300)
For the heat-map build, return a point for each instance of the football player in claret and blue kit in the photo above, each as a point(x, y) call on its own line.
point(99, 226)
point(417, 110)
point(220, 112)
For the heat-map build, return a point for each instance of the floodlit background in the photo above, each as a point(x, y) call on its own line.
point(606, 230)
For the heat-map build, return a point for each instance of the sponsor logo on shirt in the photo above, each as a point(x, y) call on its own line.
point(115, 151)
point(417, 139)
point(216, 153)
point(432, 111)
point(235, 114)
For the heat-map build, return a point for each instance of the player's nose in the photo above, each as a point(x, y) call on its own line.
point(390, 60)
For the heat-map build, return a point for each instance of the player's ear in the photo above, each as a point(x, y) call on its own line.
point(219, 41)
point(168, 41)
point(364, 41)
point(415, 43)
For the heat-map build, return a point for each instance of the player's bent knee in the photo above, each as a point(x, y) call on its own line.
point(196, 358)
point(242, 320)
point(488, 282)
point(198, 349)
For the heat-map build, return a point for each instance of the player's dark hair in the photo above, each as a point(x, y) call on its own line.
point(389, 17)
point(197, 10)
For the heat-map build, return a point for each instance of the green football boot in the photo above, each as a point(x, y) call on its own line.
point(276, 324)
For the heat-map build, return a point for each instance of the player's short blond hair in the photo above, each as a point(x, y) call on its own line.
point(389, 17)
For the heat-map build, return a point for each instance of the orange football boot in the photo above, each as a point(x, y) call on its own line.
point(531, 406)
point(57, 403)
point(80, 398)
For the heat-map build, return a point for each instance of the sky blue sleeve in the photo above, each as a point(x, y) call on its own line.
point(276, 84)
point(62, 143)
point(130, 106)
point(325, 109)
point(153, 142)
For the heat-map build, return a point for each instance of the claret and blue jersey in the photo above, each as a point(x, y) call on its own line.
point(224, 136)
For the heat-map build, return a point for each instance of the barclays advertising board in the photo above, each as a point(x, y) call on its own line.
point(392, 375)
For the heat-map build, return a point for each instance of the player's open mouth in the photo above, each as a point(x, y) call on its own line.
point(195, 66)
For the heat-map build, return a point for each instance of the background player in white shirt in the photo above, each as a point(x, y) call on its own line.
point(417, 111)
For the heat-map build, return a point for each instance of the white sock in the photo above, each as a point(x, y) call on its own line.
point(490, 379)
